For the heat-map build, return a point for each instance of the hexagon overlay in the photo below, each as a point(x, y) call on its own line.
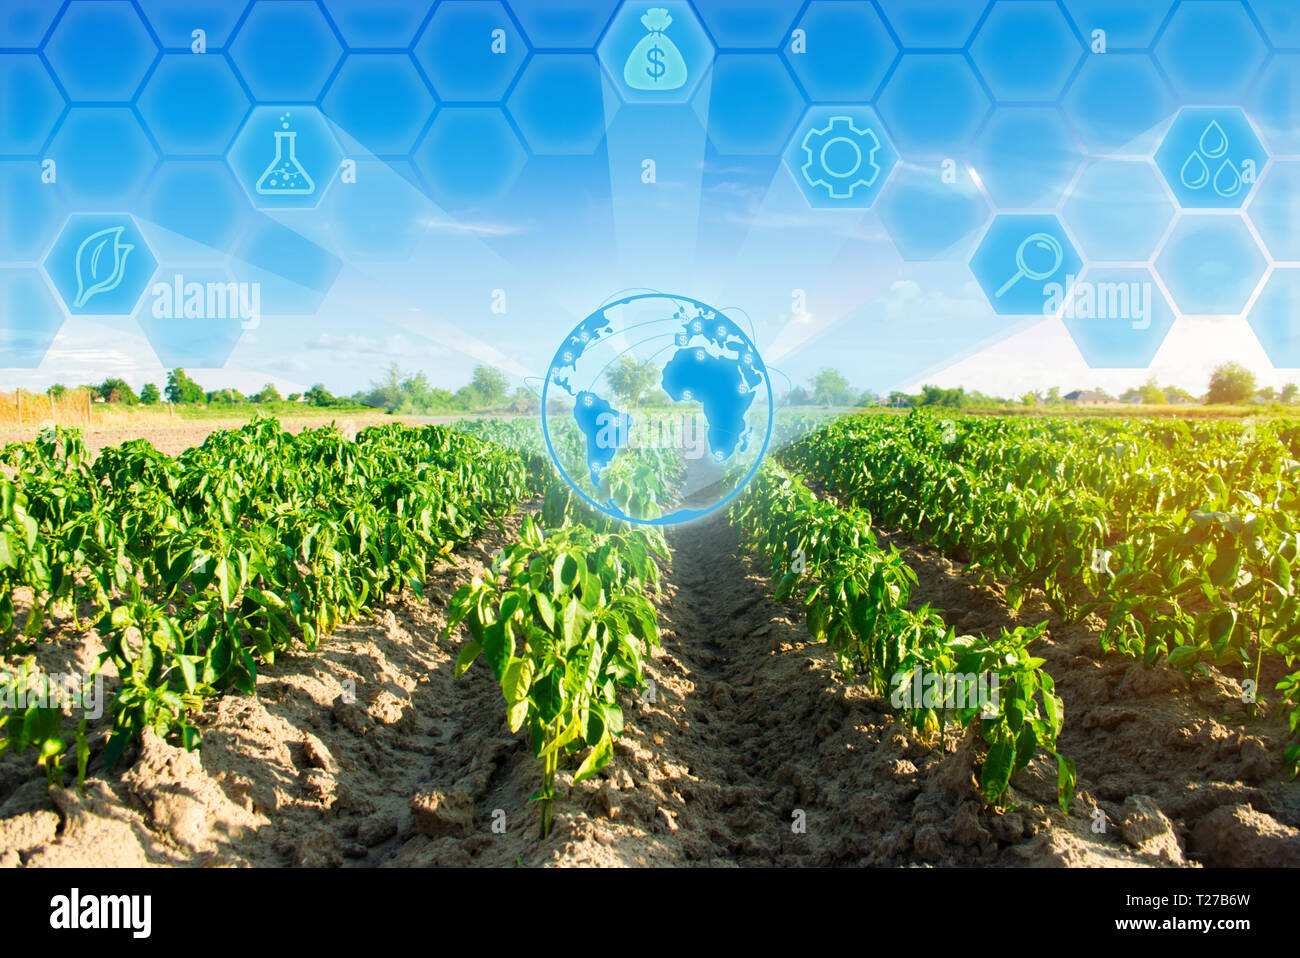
point(1026, 156)
point(379, 99)
point(1026, 51)
point(193, 104)
point(371, 24)
point(1274, 102)
point(748, 23)
point(1129, 24)
point(656, 58)
point(23, 23)
point(470, 51)
point(33, 104)
point(840, 157)
point(200, 202)
point(1118, 318)
point(194, 317)
point(1211, 158)
point(101, 50)
point(285, 157)
point(100, 264)
point(1025, 264)
point(1210, 265)
point(563, 23)
point(379, 217)
point(1274, 318)
point(293, 273)
point(1118, 103)
point(1280, 22)
point(753, 104)
point(933, 104)
point(1118, 210)
point(929, 218)
point(103, 157)
point(176, 20)
point(932, 23)
point(459, 176)
point(1211, 51)
point(1275, 210)
point(285, 50)
point(33, 211)
point(573, 79)
point(848, 51)
point(29, 318)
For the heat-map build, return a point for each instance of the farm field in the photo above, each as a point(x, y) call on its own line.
point(435, 632)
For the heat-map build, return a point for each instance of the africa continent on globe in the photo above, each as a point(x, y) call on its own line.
point(657, 408)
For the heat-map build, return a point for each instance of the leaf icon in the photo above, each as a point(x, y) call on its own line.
point(101, 263)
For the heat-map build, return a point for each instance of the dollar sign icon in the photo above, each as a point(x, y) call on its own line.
point(655, 58)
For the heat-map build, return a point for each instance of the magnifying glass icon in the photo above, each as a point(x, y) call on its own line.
point(1036, 251)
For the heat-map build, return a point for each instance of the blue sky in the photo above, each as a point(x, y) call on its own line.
point(501, 196)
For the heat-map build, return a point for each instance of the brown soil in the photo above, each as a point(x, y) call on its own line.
point(752, 750)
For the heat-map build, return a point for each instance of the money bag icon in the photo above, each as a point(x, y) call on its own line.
point(655, 63)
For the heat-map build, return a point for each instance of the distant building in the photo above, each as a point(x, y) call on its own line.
point(1088, 397)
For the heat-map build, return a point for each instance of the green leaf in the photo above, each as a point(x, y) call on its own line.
point(467, 656)
point(995, 776)
point(596, 759)
point(1066, 779)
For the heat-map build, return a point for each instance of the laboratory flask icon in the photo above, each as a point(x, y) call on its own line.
point(286, 176)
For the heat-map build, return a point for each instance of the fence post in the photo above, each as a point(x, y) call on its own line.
point(52, 419)
point(88, 402)
point(19, 393)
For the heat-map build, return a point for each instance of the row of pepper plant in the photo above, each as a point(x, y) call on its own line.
point(196, 568)
point(1182, 537)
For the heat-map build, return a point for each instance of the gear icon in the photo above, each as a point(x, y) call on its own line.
point(840, 158)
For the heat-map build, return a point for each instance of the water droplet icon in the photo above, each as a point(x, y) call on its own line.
point(1195, 173)
point(1227, 181)
point(1214, 142)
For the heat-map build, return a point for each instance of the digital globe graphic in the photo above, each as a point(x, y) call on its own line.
point(657, 409)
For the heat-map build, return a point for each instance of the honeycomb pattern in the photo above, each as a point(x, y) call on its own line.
point(1067, 112)
point(1211, 265)
point(100, 51)
point(1118, 317)
point(1026, 50)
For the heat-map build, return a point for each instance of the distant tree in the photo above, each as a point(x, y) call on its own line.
point(900, 399)
point(867, 398)
point(117, 391)
point(949, 398)
point(268, 393)
point(1288, 393)
point(630, 380)
point(490, 384)
point(386, 393)
point(182, 389)
point(318, 395)
point(1151, 394)
point(1268, 394)
point(1173, 394)
point(1054, 396)
point(149, 394)
point(1230, 383)
point(57, 391)
point(799, 397)
point(525, 402)
point(831, 388)
point(226, 397)
point(293, 397)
